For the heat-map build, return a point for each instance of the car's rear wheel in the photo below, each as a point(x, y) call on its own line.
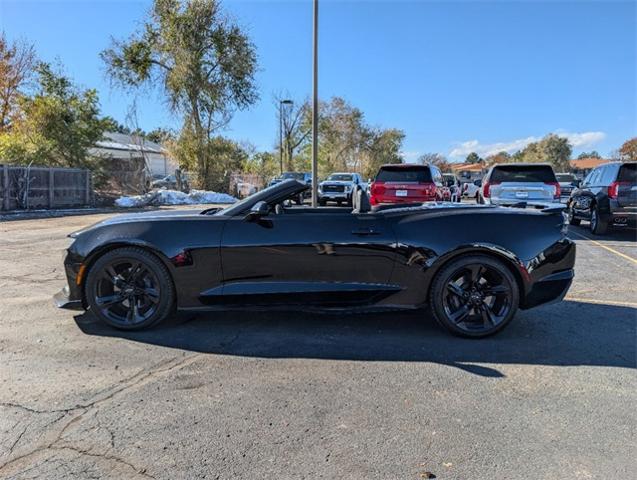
point(129, 288)
point(598, 225)
point(474, 296)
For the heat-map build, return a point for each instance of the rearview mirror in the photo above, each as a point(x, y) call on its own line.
point(258, 210)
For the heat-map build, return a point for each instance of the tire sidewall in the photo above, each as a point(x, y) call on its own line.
point(440, 283)
point(167, 289)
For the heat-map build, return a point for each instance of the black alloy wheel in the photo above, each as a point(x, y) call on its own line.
point(475, 296)
point(129, 289)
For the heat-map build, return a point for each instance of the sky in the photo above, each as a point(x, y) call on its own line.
point(455, 76)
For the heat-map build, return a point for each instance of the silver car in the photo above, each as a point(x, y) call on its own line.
point(531, 184)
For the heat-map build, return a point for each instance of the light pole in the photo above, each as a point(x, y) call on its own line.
point(281, 103)
point(315, 111)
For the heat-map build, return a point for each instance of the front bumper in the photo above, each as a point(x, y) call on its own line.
point(334, 195)
point(63, 299)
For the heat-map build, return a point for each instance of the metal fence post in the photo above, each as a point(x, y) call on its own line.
point(5, 187)
point(51, 187)
point(87, 192)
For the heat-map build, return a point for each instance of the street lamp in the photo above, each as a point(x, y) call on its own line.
point(281, 103)
point(315, 111)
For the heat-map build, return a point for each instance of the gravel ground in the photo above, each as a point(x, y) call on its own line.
point(297, 395)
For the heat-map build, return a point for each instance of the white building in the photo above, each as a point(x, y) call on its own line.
point(132, 147)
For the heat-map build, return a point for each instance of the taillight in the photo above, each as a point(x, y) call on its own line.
point(429, 189)
point(486, 189)
point(557, 192)
point(375, 191)
point(613, 189)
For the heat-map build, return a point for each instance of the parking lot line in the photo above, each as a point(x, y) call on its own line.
point(600, 302)
point(629, 258)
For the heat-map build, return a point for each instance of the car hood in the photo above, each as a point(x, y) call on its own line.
point(336, 182)
point(155, 215)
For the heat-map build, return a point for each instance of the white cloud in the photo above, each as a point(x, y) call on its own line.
point(410, 157)
point(578, 140)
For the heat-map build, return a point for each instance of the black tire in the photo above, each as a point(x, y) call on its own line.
point(339, 202)
point(130, 289)
point(322, 202)
point(460, 299)
point(478, 199)
point(571, 217)
point(299, 200)
point(598, 225)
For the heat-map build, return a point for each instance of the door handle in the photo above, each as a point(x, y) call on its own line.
point(365, 231)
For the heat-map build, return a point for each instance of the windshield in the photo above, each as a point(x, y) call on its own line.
point(265, 194)
point(565, 177)
point(419, 174)
point(294, 175)
point(522, 173)
point(341, 177)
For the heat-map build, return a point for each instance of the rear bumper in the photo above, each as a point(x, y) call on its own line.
point(622, 216)
point(539, 204)
point(550, 289)
point(399, 200)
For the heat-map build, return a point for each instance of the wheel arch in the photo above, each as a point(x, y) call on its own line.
point(509, 259)
point(103, 249)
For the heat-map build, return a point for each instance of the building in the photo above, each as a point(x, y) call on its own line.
point(582, 166)
point(468, 172)
point(122, 147)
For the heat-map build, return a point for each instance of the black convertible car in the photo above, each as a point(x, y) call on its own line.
point(474, 265)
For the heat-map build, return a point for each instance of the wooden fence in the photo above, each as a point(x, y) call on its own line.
point(44, 187)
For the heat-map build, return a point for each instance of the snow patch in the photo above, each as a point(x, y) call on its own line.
point(174, 197)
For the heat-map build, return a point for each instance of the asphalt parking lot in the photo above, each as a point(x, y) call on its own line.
point(297, 395)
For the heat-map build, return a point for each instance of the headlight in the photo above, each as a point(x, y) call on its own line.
point(348, 188)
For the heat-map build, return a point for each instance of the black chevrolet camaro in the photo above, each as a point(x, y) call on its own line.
point(473, 265)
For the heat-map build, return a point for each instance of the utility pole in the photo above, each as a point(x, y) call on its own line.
point(315, 107)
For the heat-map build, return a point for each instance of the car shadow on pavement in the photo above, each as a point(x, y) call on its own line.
point(567, 334)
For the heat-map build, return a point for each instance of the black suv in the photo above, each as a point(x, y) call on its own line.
point(607, 197)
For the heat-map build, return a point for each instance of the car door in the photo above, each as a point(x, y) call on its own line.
point(307, 257)
point(583, 197)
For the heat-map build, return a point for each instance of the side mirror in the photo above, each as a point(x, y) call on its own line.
point(478, 183)
point(258, 210)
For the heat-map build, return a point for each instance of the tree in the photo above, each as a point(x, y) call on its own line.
point(382, 146)
point(160, 135)
point(551, 149)
point(628, 151)
point(473, 157)
point(593, 154)
point(204, 65)
point(435, 159)
point(500, 157)
point(17, 63)
point(295, 126)
point(56, 126)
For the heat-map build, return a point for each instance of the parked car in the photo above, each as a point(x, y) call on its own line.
point(303, 177)
point(606, 198)
point(452, 186)
point(407, 183)
point(339, 188)
point(531, 184)
point(133, 271)
point(568, 182)
point(472, 189)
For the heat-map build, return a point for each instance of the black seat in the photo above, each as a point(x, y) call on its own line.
point(360, 202)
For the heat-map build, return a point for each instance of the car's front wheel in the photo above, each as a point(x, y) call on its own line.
point(130, 289)
point(571, 216)
point(474, 296)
